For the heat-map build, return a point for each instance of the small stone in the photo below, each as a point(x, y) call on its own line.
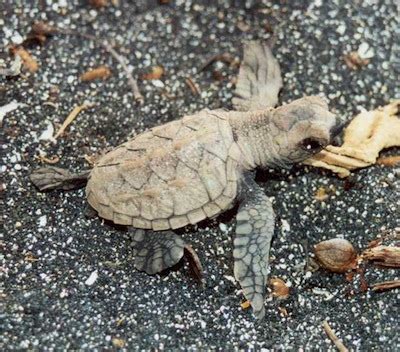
point(92, 278)
point(365, 51)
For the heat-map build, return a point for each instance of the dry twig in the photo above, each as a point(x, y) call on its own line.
point(53, 160)
point(338, 343)
point(386, 285)
point(193, 87)
point(71, 117)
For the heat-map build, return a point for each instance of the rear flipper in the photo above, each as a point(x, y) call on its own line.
point(53, 178)
point(158, 251)
point(259, 80)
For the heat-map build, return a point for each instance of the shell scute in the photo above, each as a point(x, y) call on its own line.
point(168, 177)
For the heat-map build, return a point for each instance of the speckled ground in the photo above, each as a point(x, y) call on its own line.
point(69, 282)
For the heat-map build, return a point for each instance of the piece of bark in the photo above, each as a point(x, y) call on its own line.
point(387, 256)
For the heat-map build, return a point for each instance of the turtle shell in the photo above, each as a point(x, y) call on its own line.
point(173, 175)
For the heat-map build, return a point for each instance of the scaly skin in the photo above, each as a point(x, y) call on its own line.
point(273, 137)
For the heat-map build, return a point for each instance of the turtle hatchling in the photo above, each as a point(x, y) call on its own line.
point(201, 165)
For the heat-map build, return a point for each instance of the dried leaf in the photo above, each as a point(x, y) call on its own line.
point(279, 288)
point(364, 138)
point(28, 61)
point(155, 72)
point(102, 72)
point(386, 256)
point(386, 285)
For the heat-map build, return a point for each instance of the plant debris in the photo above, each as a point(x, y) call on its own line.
point(28, 60)
point(389, 160)
point(321, 194)
point(14, 69)
point(98, 3)
point(338, 343)
point(354, 61)
point(336, 255)
point(39, 33)
point(283, 311)
point(386, 285)
point(245, 304)
point(101, 72)
point(44, 28)
point(364, 138)
point(44, 159)
point(118, 343)
point(226, 58)
point(71, 117)
point(386, 256)
point(193, 86)
point(155, 72)
point(279, 288)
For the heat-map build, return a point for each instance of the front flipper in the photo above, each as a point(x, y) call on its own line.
point(254, 230)
point(259, 80)
point(157, 251)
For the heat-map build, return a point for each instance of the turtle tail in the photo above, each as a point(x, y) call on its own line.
point(55, 178)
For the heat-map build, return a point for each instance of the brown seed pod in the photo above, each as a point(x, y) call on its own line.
point(279, 288)
point(337, 255)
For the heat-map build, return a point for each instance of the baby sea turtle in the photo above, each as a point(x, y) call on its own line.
point(197, 167)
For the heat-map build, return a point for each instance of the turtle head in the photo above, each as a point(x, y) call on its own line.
point(304, 127)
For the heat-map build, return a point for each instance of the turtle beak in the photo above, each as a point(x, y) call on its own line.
point(338, 128)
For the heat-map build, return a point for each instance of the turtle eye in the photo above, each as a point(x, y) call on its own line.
point(311, 144)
